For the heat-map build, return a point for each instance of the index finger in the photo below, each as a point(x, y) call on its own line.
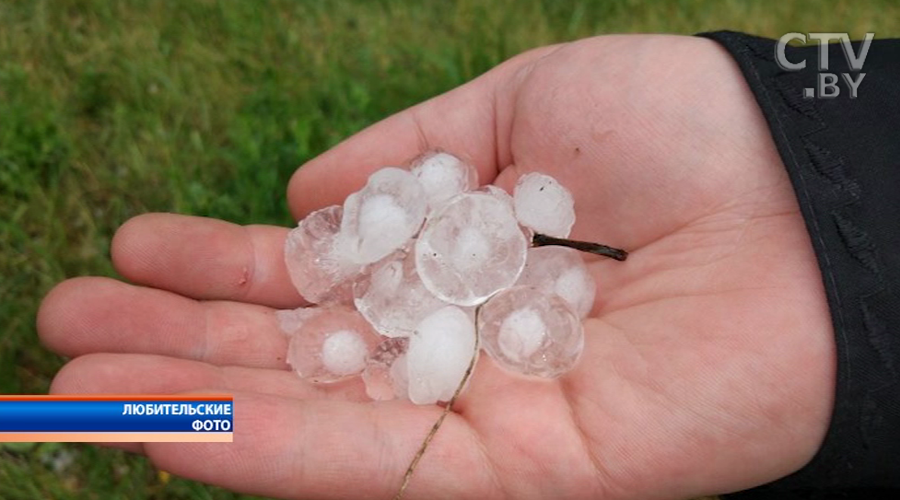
point(206, 259)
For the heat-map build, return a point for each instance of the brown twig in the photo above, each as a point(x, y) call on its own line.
point(540, 240)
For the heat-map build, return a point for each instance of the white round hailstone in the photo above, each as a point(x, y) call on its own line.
point(544, 205)
point(385, 372)
point(443, 176)
point(332, 345)
point(532, 331)
point(439, 354)
point(344, 353)
point(392, 298)
point(563, 271)
point(320, 273)
point(469, 249)
point(383, 216)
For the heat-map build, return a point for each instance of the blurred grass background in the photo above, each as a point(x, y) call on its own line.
point(111, 109)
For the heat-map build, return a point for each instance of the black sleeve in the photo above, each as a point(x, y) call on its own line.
point(843, 158)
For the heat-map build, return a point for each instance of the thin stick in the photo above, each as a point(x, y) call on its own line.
point(540, 240)
point(440, 420)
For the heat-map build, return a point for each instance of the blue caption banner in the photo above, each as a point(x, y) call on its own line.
point(111, 415)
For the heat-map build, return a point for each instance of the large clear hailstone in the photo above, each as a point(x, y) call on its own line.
point(382, 217)
point(332, 345)
point(320, 273)
point(443, 176)
point(561, 270)
point(438, 355)
point(470, 248)
point(392, 297)
point(532, 331)
point(544, 205)
point(385, 374)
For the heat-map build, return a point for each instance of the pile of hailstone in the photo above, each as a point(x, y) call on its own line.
point(401, 273)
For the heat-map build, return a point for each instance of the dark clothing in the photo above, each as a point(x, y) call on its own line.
point(843, 158)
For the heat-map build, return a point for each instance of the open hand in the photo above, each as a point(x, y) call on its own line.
point(709, 355)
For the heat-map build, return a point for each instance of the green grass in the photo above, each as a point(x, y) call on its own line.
point(111, 109)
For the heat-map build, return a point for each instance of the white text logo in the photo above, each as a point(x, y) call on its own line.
point(827, 82)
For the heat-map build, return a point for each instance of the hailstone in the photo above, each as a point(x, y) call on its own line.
point(531, 330)
point(382, 217)
point(469, 249)
point(563, 271)
point(332, 345)
point(385, 374)
point(318, 271)
point(438, 355)
point(544, 205)
point(443, 176)
point(393, 298)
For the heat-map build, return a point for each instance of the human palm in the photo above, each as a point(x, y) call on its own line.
point(709, 359)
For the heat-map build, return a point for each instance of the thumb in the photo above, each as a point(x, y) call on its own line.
point(471, 121)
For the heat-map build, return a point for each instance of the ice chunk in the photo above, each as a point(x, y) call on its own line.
point(382, 217)
point(332, 345)
point(544, 205)
point(443, 176)
point(439, 353)
point(532, 331)
point(385, 372)
point(470, 248)
point(392, 297)
point(563, 271)
point(321, 275)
